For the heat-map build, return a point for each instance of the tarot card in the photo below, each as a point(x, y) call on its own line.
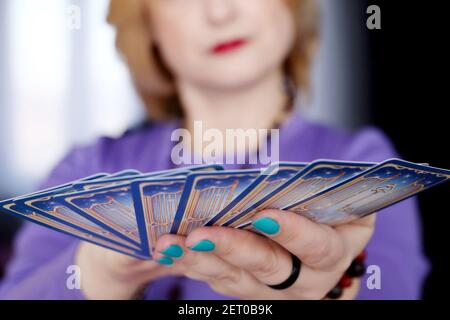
point(205, 194)
point(68, 184)
point(125, 173)
point(377, 188)
point(11, 208)
point(111, 208)
point(174, 174)
point(103, 183)
point(271, 178)
point(184, 171)
point(41, 203)
point(202, 167)
point(109, 182)
point(156, 202)
point(315, 177)
point(46, 205)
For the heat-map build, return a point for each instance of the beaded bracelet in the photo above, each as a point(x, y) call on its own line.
point(356, 270)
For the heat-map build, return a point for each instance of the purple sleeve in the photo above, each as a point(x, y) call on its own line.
point(396, 246)
point(41, 257)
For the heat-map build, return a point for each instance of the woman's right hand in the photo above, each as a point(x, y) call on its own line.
point(106, 274)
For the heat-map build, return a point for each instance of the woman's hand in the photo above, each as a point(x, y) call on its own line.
point(106, 274)
point(241, 264)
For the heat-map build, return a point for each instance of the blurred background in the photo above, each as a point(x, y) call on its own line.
point(62, 84)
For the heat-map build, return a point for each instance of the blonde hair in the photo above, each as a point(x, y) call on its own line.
point(154, 81)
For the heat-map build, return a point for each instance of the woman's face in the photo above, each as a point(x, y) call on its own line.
point(222, 44)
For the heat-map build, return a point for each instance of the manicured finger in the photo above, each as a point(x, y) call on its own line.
point(168, 249)
point(205, 266)
point(318, 246)
point(264, 259)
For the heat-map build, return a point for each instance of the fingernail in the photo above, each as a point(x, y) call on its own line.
point(165, 261)
point(204, 246)
point(174, 251)
point(266, 225)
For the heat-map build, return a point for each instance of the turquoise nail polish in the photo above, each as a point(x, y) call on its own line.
point(204, 246)
point(266, 225)
point(166, 261)
point(174, 251)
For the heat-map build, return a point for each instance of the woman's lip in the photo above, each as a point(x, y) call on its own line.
point(228, 46)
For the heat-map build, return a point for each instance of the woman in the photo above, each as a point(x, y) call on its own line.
point(224, 62)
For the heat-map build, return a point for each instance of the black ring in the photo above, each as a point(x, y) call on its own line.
point(296, 267)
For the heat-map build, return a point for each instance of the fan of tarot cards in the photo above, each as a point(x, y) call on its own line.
point(128, 211)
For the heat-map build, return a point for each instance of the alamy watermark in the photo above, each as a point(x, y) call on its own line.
point(73, 17)
point(374, 19)
point(73, 281)
point(373, 281)
point(235, 146)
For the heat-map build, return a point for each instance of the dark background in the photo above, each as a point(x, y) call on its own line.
point(409, 67)
point(407, 70)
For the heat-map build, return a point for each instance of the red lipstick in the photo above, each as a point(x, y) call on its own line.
point(228, 46)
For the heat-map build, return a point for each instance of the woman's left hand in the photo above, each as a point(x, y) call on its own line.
point(242, 264)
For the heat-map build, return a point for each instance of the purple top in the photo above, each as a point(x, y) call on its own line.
point(38, 268)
